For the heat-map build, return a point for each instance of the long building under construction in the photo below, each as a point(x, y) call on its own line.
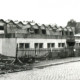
point(30, 36)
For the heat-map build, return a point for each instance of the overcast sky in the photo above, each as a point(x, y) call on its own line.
point(41, 11)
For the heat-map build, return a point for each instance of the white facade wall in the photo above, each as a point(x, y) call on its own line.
point(44, 41)
point(0, 46)
point(8, 45)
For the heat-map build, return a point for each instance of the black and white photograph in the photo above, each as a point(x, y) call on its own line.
point(39, 39)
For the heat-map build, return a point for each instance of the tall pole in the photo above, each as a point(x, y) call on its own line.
point(16, 59)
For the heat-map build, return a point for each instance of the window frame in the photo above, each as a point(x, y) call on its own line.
point(43, 31)
point(61, 45)
point(36, 31)
point(21, 44)
point(38, 45)
point(28, 45)
point(1, 27)
point(49, 45)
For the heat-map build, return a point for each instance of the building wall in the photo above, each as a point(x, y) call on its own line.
point(39, 51)
point(9, 47)
point(44, 41)
point(0, 46)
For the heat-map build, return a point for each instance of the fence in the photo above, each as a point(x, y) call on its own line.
point(33, 52)
point(54, 53)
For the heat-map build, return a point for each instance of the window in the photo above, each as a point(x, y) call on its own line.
point(71, 33)
point(50, 45)
point(36, 31)
point(28, 29)
point(24, 45)
point(79, 44)
point(1, 27)
point(27, 45)
point(66, 32)
point(21, 45)
point(61, 44)
point(38, 45)
point(43, 31)
point(62, 33)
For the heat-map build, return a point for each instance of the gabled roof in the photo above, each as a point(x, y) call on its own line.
point(55, 27)
point(1, 20)
point(60, 29)
point(28, 23)
point(12, 24)
point(43, 26)
point(32, 23)
point(25, 22)
point(35, 26)
point(20, 23)
point(39, 24)
point(7, 21)
point(16, 21)
point(50, 30)
point(25, 27)
point(50, 27)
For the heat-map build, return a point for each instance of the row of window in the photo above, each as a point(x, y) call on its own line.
point(24, 45)
point(66, 33)
point(40, 45)
point(36, 31)
point(61, 44)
